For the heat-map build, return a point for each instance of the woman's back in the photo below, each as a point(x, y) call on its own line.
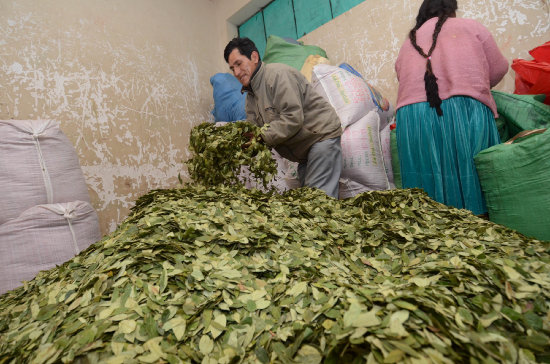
point(466, 61)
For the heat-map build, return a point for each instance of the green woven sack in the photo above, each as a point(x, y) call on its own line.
point(515, 178)
point(279, 50)
point(395, 159)
point(520, 112)
point(502, 126)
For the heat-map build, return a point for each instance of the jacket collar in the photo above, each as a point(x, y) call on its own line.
point(249, 88)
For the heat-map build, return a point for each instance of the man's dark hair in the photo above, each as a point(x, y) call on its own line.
point(442, 9)
point(244, 45)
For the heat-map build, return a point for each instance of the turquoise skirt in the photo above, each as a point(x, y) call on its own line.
point(436, 153)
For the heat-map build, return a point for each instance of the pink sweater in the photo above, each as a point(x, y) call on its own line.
point(466, 61)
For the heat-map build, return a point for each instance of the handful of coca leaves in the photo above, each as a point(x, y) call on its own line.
point(228, 275)
point(219, 154)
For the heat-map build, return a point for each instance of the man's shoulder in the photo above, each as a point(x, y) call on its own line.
point(280, 68)
point(277, 72)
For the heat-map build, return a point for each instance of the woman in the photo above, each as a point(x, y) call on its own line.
point(445, 110)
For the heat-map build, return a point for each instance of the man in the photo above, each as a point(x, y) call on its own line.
point(303, 126)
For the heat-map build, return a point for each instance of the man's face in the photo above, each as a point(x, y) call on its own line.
point(241, 66)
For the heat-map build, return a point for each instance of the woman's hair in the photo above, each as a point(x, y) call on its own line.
point(442, 9)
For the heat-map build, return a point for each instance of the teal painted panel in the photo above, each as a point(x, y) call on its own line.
point(279, 19)
point(310, 15)
point(341, 6)
point(253, 28)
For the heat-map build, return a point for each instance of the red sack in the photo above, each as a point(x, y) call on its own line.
point(533, 77)
point(541, 53)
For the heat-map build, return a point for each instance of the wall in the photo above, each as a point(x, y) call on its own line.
point(126, 79)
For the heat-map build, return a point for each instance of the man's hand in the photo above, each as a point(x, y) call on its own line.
point(250, 136)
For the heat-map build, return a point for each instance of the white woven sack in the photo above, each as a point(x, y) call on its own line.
point(351, 96)
point(386, 153)
point(363, 162)
point(38, 165)
point(348, 188)
point(42, 237)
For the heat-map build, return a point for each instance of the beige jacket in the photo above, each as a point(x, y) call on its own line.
point(297, 115)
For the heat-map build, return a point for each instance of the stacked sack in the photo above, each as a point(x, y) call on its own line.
point(295, 54)
point(366, 117)
point(228, 100)
point(46, 216)
point(515, 179)
point(517, 113)
point(515, 175)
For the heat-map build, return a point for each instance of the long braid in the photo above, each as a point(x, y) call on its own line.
point(430, 80)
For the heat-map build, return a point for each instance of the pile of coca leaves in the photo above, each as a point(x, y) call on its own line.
point(219, 155)
point(228, 275)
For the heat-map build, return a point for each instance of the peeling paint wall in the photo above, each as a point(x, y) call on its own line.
point(369, 36)
point(126, 79)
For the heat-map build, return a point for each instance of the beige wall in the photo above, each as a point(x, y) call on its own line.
point(125, 78)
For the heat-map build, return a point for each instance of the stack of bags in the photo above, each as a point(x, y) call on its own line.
point(46, 217)
point(515, 175)
point(366, 117)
